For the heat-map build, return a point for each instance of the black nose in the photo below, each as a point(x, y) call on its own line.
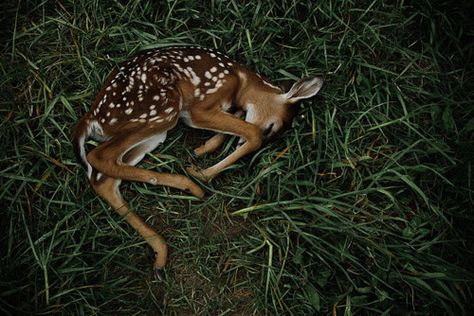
point(268, 130)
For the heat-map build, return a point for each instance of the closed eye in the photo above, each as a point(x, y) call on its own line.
point(268, 130)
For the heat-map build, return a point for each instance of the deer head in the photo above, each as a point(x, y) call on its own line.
point(271, 108)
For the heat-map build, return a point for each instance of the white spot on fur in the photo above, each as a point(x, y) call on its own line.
point(155, 118)
point(195, 80)
point(158, 119)
point(211, 91)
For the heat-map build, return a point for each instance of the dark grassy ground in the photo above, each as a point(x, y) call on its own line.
point(364, 207)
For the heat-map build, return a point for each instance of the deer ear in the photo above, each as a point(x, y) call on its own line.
point(304, 88)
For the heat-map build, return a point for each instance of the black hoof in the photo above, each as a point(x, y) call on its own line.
point(158, 274)
point(151, 254)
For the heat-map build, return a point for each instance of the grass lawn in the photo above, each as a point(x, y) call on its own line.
point(363, 207)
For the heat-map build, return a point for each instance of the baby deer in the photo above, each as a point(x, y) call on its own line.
point(144, 97)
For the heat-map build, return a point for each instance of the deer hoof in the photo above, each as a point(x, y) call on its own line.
point(194, 171)
point(158, 274)
point(198, 173)
point(201, 150)
point(196, 191)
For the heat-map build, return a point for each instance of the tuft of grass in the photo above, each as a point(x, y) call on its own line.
point(364, 207)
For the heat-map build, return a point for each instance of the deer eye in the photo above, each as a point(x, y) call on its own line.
point(268, 130)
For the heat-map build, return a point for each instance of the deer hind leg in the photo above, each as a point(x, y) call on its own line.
point(227, 124)
point(116, 157)
point(108, 189)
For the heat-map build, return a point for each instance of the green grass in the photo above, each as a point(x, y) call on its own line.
point(364, 207)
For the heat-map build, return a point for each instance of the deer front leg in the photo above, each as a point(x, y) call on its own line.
point(227, 124)
point(213, 143)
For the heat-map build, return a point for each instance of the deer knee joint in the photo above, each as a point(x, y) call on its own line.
point(94, 159)
point(254, 141)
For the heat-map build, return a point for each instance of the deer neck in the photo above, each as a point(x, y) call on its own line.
point(254, 90)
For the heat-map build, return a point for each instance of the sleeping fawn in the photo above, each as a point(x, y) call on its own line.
point(144, 97)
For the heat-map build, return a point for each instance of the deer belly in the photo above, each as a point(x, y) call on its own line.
point(186, 117)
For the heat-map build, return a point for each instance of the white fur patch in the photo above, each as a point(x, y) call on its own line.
point(94, 129)
point(186, 117)
point(146, 146)
point(83, 155)
point(251, 115)
point(270, 85)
